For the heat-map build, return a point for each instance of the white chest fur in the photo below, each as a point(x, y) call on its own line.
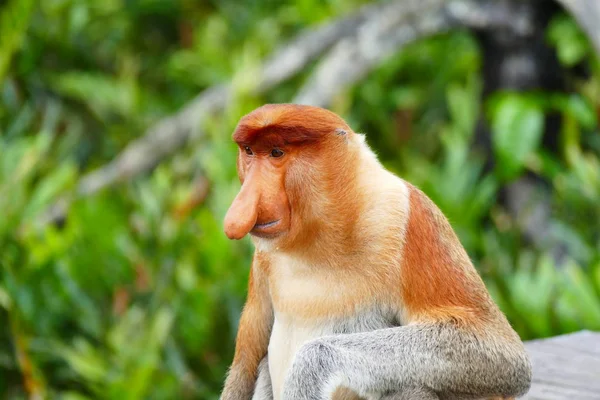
point(288, 336)
point(311, 303)
point(286, 339)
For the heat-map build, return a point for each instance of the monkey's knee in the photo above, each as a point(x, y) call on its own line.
point(412, 394)
point(263, 389)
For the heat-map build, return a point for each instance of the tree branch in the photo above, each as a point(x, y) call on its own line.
point(402, 23)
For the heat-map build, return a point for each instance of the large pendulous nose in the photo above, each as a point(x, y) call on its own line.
point(243, 212)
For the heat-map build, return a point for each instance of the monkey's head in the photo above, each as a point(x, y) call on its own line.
point(291, 159)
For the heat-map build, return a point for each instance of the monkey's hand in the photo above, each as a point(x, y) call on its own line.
point(316, 370)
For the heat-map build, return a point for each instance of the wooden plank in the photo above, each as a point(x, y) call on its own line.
point(565, 367)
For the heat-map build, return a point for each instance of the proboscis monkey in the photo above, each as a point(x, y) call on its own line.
point(359, 287)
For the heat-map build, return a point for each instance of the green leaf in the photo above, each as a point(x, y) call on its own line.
point(463, 105)
point(49, 188)
point(532, 294)
point(14, 20)
point(103, 94)
point(580, 295)
point(73, 396)
point(84, 360)
point(5, 299)
point(517, 127)
point(571, 44)
point(576, 106)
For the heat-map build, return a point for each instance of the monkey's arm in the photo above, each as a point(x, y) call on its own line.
point(441, 358)
point(252, 338)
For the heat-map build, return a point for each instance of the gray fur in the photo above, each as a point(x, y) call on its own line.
point(430, 359)
point(263, 389)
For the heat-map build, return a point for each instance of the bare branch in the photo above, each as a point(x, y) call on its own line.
point(398, 25)
point(294, 56)
point(376, 39)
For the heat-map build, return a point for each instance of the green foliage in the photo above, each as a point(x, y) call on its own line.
point(122, 302)
point(571, 44)
point(137, 294)
point(14, 20)
point(517, 128)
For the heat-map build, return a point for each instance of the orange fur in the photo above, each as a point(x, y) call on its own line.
point(255, 323)
point(438, 280)
point(287, 123)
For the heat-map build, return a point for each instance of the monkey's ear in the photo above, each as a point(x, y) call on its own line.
point(342, 133)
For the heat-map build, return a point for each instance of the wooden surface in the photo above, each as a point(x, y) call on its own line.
point(565, 367)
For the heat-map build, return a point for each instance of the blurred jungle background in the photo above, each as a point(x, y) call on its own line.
point(116, 165)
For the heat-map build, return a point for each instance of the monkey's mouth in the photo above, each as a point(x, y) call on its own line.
point(267, 229)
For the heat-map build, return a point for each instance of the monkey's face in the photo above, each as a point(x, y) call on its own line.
point(262, 207)
point(287, 158)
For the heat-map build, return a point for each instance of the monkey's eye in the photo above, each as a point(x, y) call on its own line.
point(276, 153)
point(248, 150)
